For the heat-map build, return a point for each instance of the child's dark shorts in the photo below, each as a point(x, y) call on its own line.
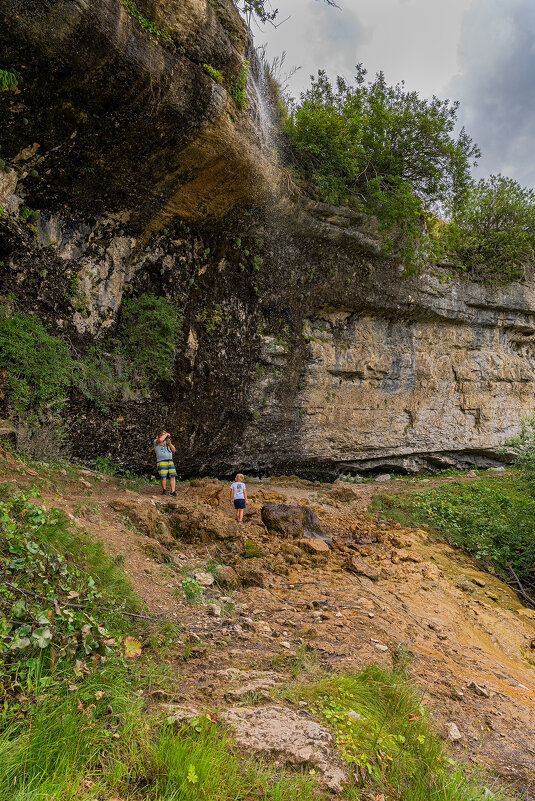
point(239, 503)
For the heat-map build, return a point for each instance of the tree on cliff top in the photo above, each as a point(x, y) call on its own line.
point(492, 232)
point(385, 145)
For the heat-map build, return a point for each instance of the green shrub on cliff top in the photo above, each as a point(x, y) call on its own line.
point(492, 233)
point(384, 145)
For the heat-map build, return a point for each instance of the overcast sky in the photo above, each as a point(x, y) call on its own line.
point(481, 52)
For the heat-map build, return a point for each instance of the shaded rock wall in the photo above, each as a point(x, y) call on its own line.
point(304, 349)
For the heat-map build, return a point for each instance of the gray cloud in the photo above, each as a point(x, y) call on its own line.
point(335, 36)
point(496, 85)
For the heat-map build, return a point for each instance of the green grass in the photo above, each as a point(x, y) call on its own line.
point(492, 519)
point(393, 747)
point(75, 743)
point(74, 725)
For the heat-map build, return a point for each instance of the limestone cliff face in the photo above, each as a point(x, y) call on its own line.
point(304, 349)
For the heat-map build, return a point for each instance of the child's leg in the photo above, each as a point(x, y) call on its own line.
point(172, 479)
point(240, 515)
point(163, 481)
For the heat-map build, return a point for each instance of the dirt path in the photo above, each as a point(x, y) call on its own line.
point(462, 626)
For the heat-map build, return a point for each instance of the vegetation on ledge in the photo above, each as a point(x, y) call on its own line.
point(384, 149)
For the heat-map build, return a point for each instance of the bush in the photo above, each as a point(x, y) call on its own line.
point(151, 332)
point(385, 146)
point(523, 447)
point(492, 233)
point(38, 366)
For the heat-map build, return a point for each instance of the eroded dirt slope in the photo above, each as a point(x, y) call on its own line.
point(273, 599)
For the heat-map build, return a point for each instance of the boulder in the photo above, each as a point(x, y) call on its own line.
point(283, 519)
point(343, 493)
point(314, 546)
point(293, 521)
point(226, 576)
point(383, 477)
point(282, 734)
point(251, 573)
point(362, 568)
point(203, 579)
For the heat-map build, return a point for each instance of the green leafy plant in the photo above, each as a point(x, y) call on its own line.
point(523, 447)
point(238, 84)
point(8, 80)
point(147, 24)
point(191, 589)
point(212, 320)
point(492, 519)
point(150, 333)
point(383, 733)
point(37, 365)
point(383, 148)
point(215, 74)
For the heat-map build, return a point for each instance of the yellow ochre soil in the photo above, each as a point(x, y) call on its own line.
point(461, 624)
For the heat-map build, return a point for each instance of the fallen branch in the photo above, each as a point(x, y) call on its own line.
point(53, 601)
point(521, 591)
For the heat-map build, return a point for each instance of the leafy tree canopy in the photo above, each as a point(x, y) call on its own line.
point(492, 231)
point(385, 145)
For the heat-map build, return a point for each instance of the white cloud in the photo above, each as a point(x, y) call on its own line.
point(496, 85)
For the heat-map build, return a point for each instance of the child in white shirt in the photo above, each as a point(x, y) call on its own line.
point(238, 494)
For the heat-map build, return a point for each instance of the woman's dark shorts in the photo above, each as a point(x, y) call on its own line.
point(239, 503)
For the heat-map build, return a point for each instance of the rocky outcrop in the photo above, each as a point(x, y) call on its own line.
point(303, 348)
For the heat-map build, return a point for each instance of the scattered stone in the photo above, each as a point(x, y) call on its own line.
point(478, 690)
point(452, 732)
point(285, 644)
point(383, 477)
point(456, 694)
point(227, 576)
point(401, 555)
point(214, 610)
point(479, 582)
point(314, 546)
point(472, 474)
point(288, 736)
point(353, 715)
point(343, 493)
point(496, 469)
point(81, 481)
point(380, 647)
point(204, 579)
point(259, 687)
point(492, 595)
point(251, 573)
point(362, 568)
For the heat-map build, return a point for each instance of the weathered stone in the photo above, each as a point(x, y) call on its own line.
point(452, 732)
point(288, 736)
point(362, 568)
point(252, 573)
point(227, 576)
point(314, 546)
point(478, 689)
point(203, 579)
point(383, 477)
point(142, 515)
